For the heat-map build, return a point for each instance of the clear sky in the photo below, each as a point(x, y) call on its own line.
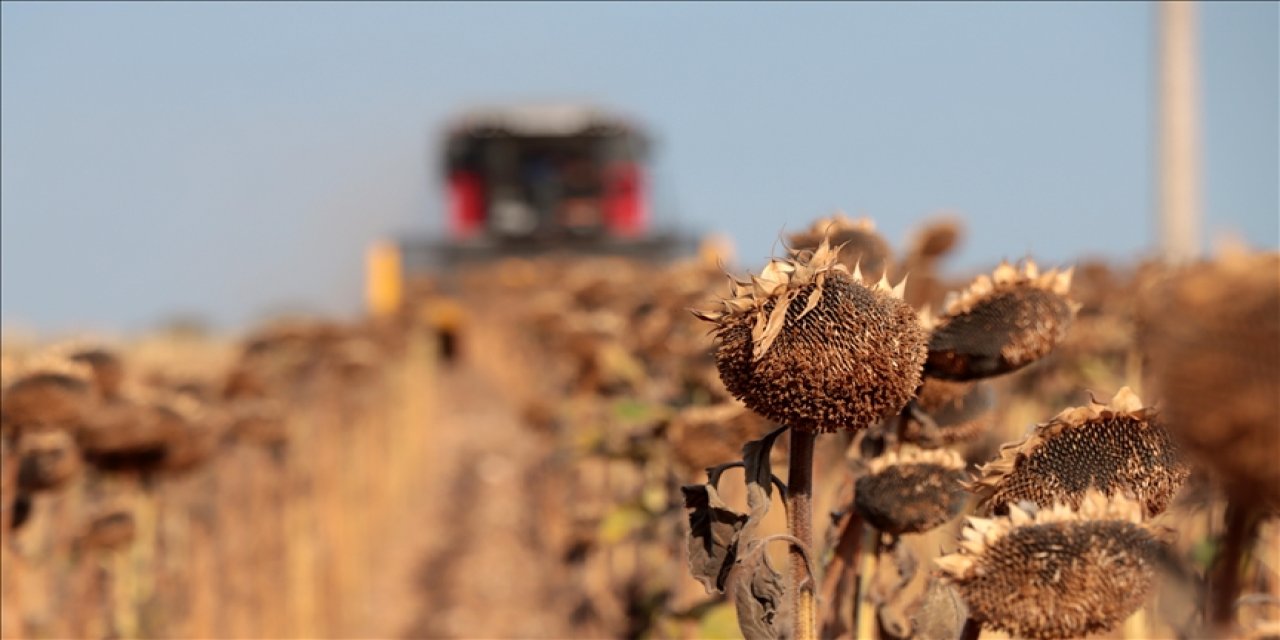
point(230, 160)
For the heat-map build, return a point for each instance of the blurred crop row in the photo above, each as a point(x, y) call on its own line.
point(187, 488)
point(184, 487)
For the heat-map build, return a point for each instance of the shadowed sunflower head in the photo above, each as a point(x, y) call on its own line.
point(912, 490)
point(1000, 323)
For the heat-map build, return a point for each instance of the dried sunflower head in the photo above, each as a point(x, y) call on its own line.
point(136, 433)
point(960, 411)
point(1212, 332)
point(196, 445)
point(811, 345)
point(929, 244)
point(936, 238)
point(108, 371)
point(1119, 447)
point(911, 491)
point(48, 392)
point(1055, 573)
point(48, 460)
point(704, 436)
point(1000, 323)
point(860, 245)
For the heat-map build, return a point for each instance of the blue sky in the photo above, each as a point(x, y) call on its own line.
point(232, 160)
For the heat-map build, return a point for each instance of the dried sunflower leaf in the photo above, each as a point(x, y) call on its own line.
point(714, 473)
point(755, 459)
point(713, 535)
point(757, 592)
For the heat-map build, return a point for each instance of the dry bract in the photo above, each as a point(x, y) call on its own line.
point(1213, 335)
point(1000, 323)
point(1057, 573)
point(911, 491)
point(811, 345)
point(860, 244)
point(1116, 447)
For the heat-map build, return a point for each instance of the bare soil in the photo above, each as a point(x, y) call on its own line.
point(470, 565)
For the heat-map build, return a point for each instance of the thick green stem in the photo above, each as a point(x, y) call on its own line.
point(800, 526)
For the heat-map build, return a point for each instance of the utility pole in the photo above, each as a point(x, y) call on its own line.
point(1178, 146)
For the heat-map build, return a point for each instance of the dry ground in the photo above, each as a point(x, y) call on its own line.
point(469, 565)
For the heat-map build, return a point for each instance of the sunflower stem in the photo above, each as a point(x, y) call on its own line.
point(800, 526)
point(972, 629)
point(1224, 580)
point(840, 576)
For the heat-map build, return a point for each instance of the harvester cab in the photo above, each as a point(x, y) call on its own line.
point(530, 180)
point(545, 175)
point(543, 179)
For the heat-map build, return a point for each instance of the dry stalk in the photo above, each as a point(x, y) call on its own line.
point(972, 629)
point(800, 526)
point(1224, 577)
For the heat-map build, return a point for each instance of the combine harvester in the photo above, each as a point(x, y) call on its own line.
point(527, 181)
point(533, 180)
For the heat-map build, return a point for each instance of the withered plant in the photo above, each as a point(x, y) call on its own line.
point(813, 346)
point(861, 247)
point(911, 491)
point(1117, 447)
point(1000, 323)
point(948, 413)
point(1211, 331)
point(1056, 572)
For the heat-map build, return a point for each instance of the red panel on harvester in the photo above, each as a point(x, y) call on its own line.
point(626, 209)
point(466, 204)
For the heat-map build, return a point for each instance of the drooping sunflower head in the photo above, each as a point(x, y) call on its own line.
point(705, 435)
point(861, 246)
point(961, 412)
point(810, 344)
point(1117, 447)
point(48, 392)
point(1000, 323)
point(1056, 572)
point(1212, 336)
point(911, 491)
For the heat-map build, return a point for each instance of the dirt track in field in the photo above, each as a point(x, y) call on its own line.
point(471, 566)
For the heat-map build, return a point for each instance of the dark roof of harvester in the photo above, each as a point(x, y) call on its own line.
point(545, 119)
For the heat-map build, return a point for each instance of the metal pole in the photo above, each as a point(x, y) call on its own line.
point(1178, 153)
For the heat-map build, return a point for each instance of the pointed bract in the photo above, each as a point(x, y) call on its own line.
point(808, 317)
